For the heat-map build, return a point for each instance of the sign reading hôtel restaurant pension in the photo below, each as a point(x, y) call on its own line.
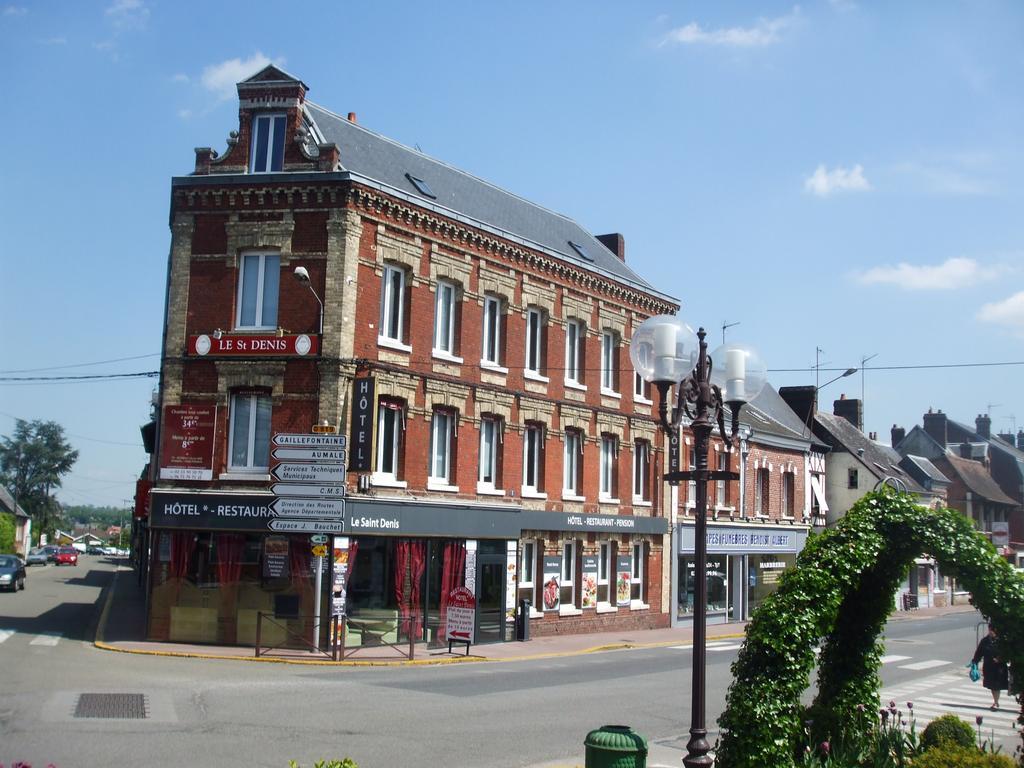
point(186, 442)
point(208, 345)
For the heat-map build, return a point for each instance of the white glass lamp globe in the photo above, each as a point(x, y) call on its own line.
point(739, 371)
point(663, 349)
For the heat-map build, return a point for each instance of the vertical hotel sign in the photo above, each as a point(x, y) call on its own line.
point(186, 442)
point(360, 451)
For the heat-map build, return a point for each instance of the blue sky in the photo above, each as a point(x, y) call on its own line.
point(837, 175)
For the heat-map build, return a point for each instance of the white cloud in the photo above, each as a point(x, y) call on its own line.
point(764, 32)
point(15, 10)
point(221, 78)
point(184, 114)
point(959, 272)
point(824, 182)
point(1008, 312)
point(128, 14)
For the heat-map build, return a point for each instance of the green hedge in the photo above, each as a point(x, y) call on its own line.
point(840, 594)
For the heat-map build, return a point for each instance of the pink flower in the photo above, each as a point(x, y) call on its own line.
point(825, 747)
point(979, 719)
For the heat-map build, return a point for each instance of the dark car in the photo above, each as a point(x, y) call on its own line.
point(12, 573)
point(92, 549)
point(51, 552)
point(67, 556)
point(37, 556)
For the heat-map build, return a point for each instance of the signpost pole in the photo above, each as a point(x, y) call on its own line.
point(316, 603)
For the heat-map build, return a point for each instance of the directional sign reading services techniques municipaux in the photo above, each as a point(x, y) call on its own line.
point(294, 472)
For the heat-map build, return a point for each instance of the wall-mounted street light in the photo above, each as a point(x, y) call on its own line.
point(303, 277)
point(665, 351)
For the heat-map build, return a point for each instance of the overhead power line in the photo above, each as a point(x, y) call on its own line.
point(80, 365)
point(91, 377)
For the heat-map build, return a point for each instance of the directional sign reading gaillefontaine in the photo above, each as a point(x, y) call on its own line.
point(310, 441)
point(303, 507)
point(309, 473)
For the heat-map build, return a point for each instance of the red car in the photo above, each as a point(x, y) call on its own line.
point(67, 556)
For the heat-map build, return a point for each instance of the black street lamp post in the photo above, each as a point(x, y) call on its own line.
point(665, 351)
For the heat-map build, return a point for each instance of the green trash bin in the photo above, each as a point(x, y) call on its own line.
point(615, 746)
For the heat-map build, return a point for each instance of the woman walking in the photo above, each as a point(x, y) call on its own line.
point(994, 673)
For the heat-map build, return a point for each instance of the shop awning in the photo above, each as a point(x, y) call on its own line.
point(819, 493)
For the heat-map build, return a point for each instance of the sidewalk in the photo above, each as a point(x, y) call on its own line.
point(121, 627)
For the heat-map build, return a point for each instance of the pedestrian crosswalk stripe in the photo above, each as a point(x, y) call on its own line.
point(47, 638)
point(5, 633)
point(891, 659)
point(732, 647)
point(926, 664)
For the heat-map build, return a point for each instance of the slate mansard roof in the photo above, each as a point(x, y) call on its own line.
point(464, 196)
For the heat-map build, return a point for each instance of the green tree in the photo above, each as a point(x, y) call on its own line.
point(6, 534)
point(33, 462)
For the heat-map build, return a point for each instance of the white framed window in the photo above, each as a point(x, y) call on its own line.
point(490, 452)
point(536, 321)
point(442, 432)
point(641, 470)
point(571, 463)
point(444, 317)
point(575, 333)
point(249, 448)
point(492, 330)
point(609, 362)
point(721, 487)
point(258, 285)
point(268, 143)
point(636, 581)
point(390, 423)
point(528, 571)
point(609, 454)
point(392, 304)
point(761, 486)
point(567, 587)
point(788, 492)
point(605, 572)
point(641, 389)
point(533, 459)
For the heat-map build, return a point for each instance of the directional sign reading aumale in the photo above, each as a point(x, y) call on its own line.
point(310, 441)
point(284, 525)
point(316, 491)
point(303, 507)
point(321, 455)
point(309, 473)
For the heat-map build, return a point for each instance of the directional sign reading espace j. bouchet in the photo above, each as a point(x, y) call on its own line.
point(310, 492)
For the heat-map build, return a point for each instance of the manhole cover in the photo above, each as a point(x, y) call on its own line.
point(111, 705)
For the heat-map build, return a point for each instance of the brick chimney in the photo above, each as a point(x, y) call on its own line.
point(983, 425)
point(803, 401)
point(935, 425)
point(897, 434)
point(851, 410)
point(615, 243)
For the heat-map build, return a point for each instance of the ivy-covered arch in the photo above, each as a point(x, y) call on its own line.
point(841, 593)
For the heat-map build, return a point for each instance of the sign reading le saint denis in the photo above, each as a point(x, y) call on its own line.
point(311, 491)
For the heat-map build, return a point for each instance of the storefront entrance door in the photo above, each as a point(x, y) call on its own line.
point(490, 598)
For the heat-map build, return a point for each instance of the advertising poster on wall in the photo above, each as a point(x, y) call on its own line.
point(588, 591)
point(339, 554)
point(186, 442)
point(275, 557)
point(510, 581)
point(623, 574)
point(470, 578)
point(552, 572)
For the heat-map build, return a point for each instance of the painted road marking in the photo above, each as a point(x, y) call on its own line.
point(47, 638)
point(732, 647)
point(891, 659)
point(5, 633)
point(929, 664)
point(947, 693)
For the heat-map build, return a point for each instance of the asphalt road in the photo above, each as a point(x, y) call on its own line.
point(228, 713)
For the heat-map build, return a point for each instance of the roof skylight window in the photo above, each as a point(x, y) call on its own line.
point(581, 251)
point(422, 186)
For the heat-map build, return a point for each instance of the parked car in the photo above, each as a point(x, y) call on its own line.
point(37, 556)
point(12, 573)
point(94, 550)
point(67, 556)
point(51, 552)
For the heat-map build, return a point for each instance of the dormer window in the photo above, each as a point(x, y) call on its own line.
point(268, 143)
point(421, 186)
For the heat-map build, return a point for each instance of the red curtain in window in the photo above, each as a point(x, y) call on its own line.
point(229, 557)
point(417, 564)
point(183, 544)
point(453, 574)
point(402, 548)
point(299, 558)
point(353, 549)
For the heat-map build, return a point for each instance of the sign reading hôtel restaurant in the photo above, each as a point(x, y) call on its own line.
point(249, 345)
point(186, 442)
